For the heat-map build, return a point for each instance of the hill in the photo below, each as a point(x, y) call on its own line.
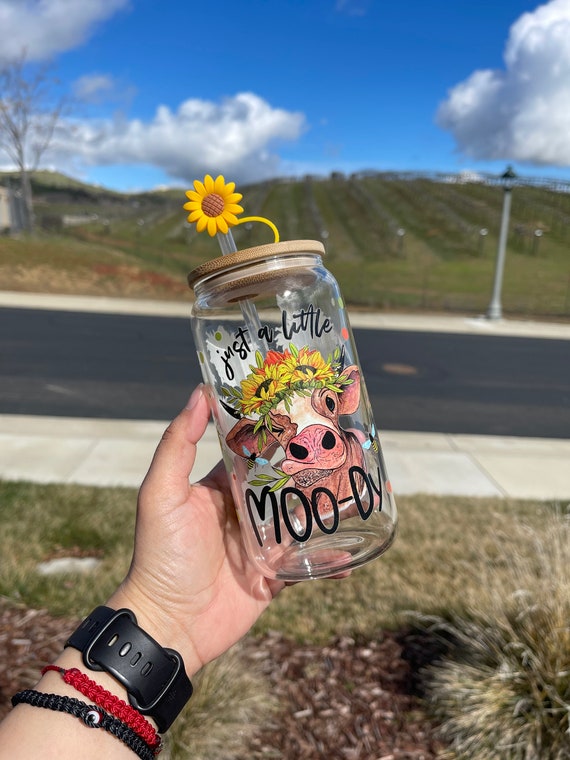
point(393, 240)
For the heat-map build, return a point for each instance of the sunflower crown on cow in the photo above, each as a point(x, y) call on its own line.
point(281, 375)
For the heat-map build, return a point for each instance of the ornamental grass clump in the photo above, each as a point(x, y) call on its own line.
point(230, 702)
point(502, 691)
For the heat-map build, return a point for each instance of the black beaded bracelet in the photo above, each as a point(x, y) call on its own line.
point(91, 715)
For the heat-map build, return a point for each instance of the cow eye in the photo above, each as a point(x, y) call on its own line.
point(329, 401)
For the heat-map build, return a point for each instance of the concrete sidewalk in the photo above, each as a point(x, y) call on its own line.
point(118, 453)
point(362, 319)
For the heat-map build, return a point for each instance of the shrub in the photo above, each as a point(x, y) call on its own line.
point(502, 690)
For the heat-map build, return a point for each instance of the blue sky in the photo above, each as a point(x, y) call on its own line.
point(165, 91)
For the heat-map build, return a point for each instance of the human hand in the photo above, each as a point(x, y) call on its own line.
point(191, 584)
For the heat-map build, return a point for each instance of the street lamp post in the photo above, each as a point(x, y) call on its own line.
point(401, 233)
point(483, 232)
point(494, 310)
point(536, 240)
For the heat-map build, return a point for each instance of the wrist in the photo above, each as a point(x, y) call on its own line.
point(156, 621)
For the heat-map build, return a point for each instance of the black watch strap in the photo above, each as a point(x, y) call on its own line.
point(153, 676)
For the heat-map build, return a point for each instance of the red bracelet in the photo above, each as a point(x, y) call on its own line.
point(111, 703)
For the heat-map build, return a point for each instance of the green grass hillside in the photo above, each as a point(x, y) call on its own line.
point(393, 241)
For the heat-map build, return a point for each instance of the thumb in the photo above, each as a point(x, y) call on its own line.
point(169, 472)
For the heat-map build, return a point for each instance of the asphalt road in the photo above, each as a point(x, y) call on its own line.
point(132, 367)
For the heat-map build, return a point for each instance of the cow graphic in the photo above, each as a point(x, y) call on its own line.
point(293, 401)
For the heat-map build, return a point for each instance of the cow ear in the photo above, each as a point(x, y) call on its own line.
point(349, 399)
point(243, 441)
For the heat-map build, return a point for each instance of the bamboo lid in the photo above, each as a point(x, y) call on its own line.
point(248, 255)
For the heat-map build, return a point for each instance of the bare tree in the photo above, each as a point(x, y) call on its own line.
point(29, 114)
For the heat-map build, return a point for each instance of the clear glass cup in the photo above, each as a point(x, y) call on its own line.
point(292, 412)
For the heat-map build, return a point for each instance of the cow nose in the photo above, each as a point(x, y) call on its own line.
point(315, 443)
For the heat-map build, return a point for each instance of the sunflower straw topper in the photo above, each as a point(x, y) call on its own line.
point(214, 205)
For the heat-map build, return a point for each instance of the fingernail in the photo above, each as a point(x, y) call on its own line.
point(197, 394)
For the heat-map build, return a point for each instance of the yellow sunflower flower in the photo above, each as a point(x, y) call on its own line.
point(213, 205)
point(261, 386)
point(308, 365)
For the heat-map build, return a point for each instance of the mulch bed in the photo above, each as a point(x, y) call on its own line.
point(29, 639)
point(351, 700)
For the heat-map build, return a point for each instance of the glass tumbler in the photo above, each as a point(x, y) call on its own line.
point(292, 412)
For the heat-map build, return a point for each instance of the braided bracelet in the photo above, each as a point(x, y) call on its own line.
point(91, 716)
point(111, 703)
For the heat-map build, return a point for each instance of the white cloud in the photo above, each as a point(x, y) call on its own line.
point(43, 28)
point(521, 113)
point(234, 137)
point(92, 87)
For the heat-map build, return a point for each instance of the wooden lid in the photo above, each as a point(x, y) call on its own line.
point(219, 264)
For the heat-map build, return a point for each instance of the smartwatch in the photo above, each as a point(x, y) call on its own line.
point(154, 677)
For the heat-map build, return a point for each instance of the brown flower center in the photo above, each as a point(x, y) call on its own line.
point(213, 204)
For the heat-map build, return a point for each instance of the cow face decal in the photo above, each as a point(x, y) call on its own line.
point(292, 402)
